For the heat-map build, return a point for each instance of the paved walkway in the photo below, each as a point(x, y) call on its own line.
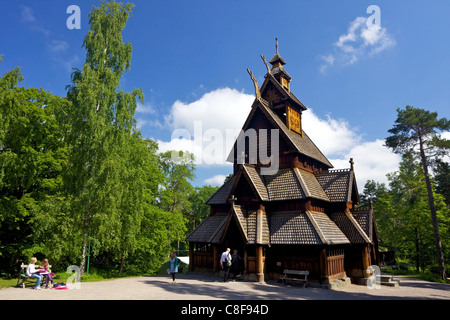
point(208, 287)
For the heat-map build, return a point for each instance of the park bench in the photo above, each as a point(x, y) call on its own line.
point(23, 279)
point(295, 275)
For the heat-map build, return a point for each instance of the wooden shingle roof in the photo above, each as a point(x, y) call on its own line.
point(292, 228)
point(301, 143)
point(221, 196)
point(350, 227)
point(312, 228)
point(337, 184)
point(365, 219)
point(286, 184)
point(209, 230)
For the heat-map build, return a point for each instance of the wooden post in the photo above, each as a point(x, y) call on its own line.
point(366, 261)
point(245, 260)
point(323, 267)
point(215, 259)
point(191, 256)
point(259, 248)
point(259, 264)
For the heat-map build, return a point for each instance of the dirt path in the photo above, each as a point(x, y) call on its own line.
point(208, 287)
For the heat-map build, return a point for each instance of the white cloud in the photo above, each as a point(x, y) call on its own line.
point(360, 40)
point(26, 14)
point(217, 180)
point(332, 136)
point(372, 161)
point(58, 46)
point(221, 109)
point(145, 108)
point(208, 126)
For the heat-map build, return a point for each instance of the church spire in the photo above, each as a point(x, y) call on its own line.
point(278, 71)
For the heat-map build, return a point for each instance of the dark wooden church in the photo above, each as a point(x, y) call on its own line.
point(302, 217)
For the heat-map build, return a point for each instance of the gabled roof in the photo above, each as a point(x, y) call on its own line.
point(338, 184)
point(221, 196)
point(209, 230)
point(270, 79)
point(288, 227)
point(299, 143)
point(296, 227)
point(350, 227)
point(286, 184)
point(365, 219)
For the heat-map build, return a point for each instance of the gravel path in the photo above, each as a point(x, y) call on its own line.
point(208, 287)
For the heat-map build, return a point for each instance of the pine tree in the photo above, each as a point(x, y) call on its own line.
point(416, 131)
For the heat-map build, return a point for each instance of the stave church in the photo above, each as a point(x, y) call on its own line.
point(301, 216)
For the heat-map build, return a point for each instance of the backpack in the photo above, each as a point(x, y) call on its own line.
point(227, 261)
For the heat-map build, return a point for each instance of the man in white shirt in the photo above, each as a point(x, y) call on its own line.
point(225, 263)
point(33, 273)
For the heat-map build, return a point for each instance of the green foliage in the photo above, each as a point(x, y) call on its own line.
point(415, 133)
point(77, 179)
point(403, 215)
point(199, 209)
point(33, 153)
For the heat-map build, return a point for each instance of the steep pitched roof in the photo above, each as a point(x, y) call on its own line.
point(296, 227)
point(350, 227)
point(337, 184)
point(365, 219)
point(299, 143)
point(209, 230)
point(221, 196)
point(270, 79)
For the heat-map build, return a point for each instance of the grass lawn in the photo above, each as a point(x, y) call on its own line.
point(63, 276)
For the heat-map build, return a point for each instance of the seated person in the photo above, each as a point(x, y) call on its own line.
point(44, 268)
point(33, 273)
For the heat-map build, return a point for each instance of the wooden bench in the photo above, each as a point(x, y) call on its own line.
point(295, 275)
point(23, 279)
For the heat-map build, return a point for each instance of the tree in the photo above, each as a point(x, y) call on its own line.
point(102, 126)
point(442, 178)
point(33, 152)
point(199, 209)
point(179, 170)
point(415, 131)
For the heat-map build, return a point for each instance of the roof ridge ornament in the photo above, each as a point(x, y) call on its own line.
point(255, 83)
point(276, 44)
point(267, 65)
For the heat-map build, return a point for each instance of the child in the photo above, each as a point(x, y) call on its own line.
point(33, 273)
point(45, 269)
point(173, 265)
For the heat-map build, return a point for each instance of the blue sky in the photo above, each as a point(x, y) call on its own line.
point(190, 60)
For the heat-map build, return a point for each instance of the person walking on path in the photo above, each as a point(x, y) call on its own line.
point(225, 263)
point(235, 264)
point(173, 265)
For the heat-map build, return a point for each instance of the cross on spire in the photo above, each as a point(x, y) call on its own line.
point(276, 44)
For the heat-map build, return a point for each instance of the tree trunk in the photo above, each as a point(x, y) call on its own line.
point(122, 262)
point(437, 238)
point(83, 258)
point(417, 251)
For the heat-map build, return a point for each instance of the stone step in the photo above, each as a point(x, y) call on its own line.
point(388, 280)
